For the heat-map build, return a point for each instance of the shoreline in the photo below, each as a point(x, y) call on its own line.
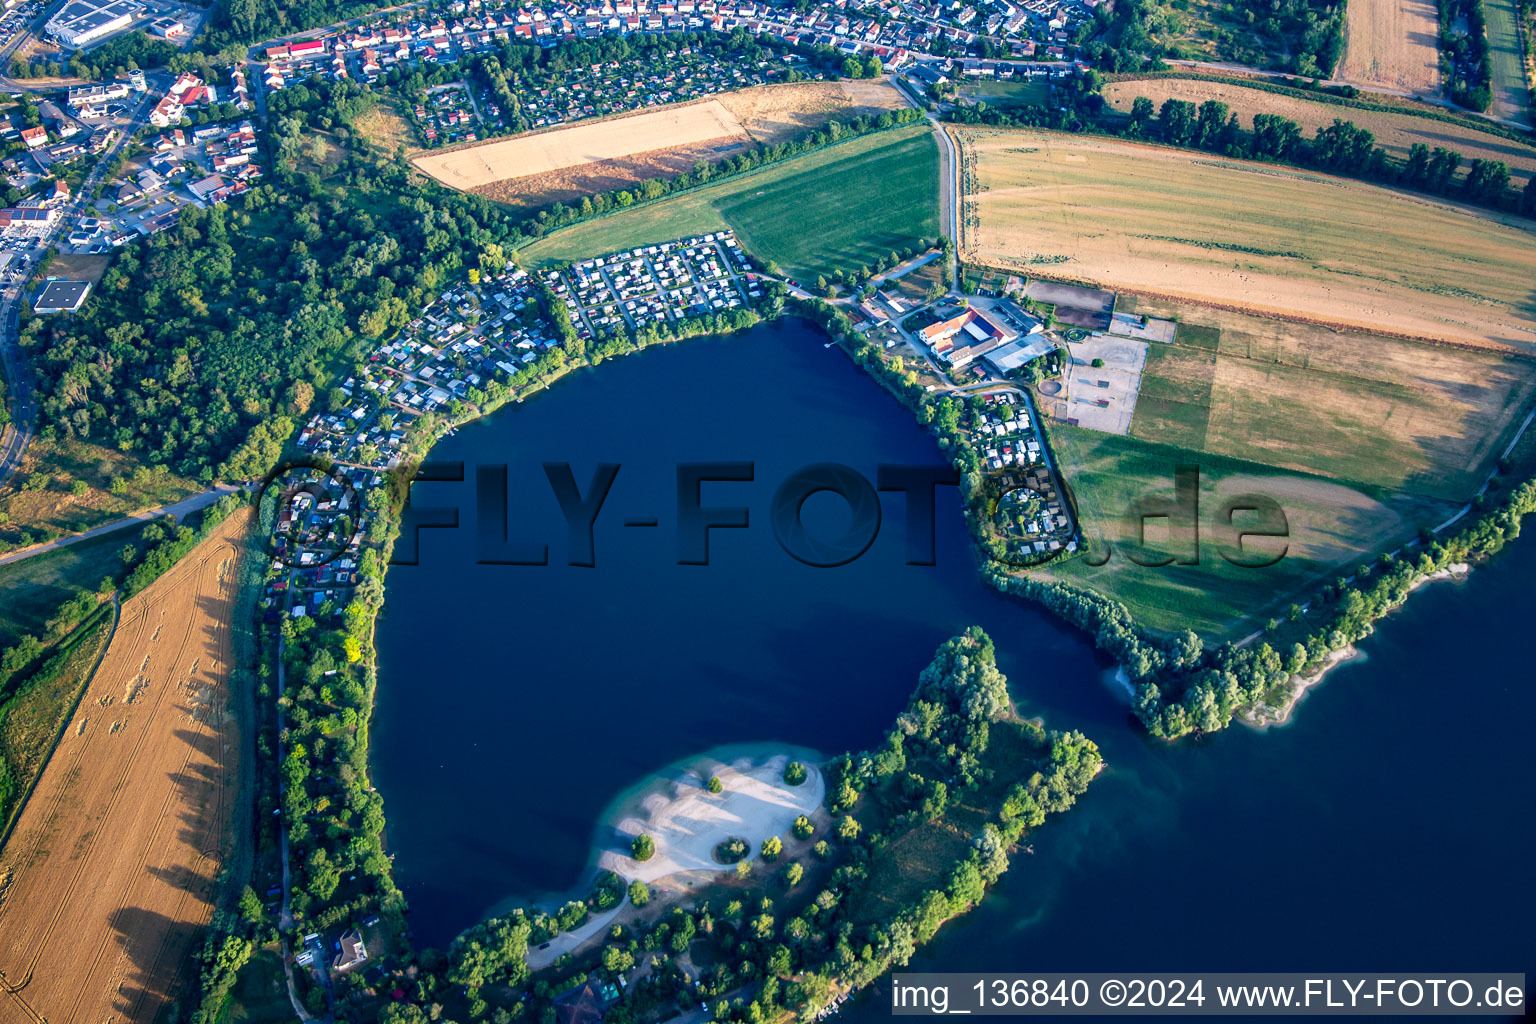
point(1264, 717)
point(629, 803)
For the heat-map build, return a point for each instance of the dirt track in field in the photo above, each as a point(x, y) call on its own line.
point(111, 872)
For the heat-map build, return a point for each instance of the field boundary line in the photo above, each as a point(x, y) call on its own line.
point(58, 736)
point(739, 175)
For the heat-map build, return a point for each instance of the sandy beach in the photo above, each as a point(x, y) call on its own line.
point(1263, 716)
point(688, 822)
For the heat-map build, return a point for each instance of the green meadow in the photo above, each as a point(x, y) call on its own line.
point(837, 208)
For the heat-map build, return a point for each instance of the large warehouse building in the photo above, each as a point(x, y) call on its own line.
point(82, 22)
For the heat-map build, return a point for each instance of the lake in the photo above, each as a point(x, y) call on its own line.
point(1384, 829)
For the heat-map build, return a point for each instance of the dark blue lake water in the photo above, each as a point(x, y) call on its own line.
point(1386, 829)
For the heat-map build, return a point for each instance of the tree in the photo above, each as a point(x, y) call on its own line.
point(714, 785)
point(1141, 117)
point(643, 847)
point(848, 828)
point(772, 847)
point(795, 773)
point(639, 893)
point(803, 827)
point(793, 874)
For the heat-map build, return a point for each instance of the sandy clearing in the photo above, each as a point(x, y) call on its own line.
point(1394, 43)
point(1395, 132)
point(541, 152)
point(113, 864)
point(688, 825)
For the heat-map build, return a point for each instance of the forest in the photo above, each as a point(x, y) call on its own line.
point(1301, 36)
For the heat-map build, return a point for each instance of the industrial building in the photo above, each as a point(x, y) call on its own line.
point(82, 22)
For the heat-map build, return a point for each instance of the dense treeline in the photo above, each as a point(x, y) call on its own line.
point(793, 951)
point(239, 23)
point(118, 54)
point(1341, 148)
point(1303, 36)
point(1464, 53)
point(1181, 687)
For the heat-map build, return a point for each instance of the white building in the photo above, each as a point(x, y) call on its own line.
point(82, 22)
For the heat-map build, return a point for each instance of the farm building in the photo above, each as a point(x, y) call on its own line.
point(963, 338)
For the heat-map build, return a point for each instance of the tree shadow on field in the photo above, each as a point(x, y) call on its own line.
point(214, 613)
point(156, 949)
point(198, 792)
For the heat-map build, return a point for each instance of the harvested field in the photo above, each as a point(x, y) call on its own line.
point(778, 113)
point(570, 183)
point(765, 114)
point(533, 153)
point(1392, 43)
point(1262, 239)
point(112, 868)
point(1394, 132)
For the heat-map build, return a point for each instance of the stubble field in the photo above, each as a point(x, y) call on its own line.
point(1392, 43)
point(111, 871)
point(576, 160)
point(1394, 132)
point(1254, 237)
point(542, 152)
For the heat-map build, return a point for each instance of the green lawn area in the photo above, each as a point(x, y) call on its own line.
point(1030, 92)
point(35, 587)
point(1332, 528)
point(840, 207)
point(1511, 92)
